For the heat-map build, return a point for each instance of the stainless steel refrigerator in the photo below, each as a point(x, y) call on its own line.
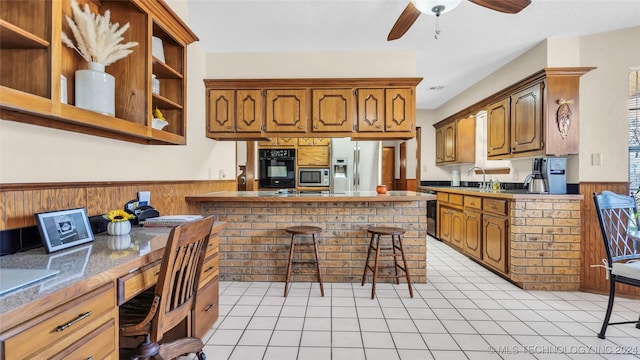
point(355, 165)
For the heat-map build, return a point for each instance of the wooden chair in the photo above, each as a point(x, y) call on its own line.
point(173, 298)
point(616, 214)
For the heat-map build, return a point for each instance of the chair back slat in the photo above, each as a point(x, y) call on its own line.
point(615, 214)
point(180, 274)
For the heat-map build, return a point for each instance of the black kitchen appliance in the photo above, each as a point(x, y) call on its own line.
point(277, 168)
point(535, 182)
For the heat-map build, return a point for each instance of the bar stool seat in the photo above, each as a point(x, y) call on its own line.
point(302, 231)
point(393, 250)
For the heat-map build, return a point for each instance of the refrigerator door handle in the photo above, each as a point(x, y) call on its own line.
point(355, 168)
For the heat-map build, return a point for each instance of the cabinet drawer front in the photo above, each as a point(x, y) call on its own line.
point(56, 330)
point(137, 281)
point(99, 344)
point(313, 156)
point(443, 197)
point(456, 199)
point(473, 202)
point(209, 270)
point(207, 309)
point(212, 246)
point(495, 206)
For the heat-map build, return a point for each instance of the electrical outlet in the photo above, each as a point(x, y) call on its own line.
point(596, 159)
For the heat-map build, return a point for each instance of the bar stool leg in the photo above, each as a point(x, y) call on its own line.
point(375, 268)
point(315, 247)
point(286, 281)
point(366, 263)
point(406, 269)
point(395, 258)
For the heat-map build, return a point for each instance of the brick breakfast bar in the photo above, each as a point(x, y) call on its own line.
point(255, 247)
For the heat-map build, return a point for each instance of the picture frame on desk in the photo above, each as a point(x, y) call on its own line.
point(63, 229)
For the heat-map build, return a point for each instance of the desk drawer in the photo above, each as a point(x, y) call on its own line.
point(207, 309)
point(56, 330)
point(495, 206)
point(137, 281)
point(212, 246)
point(209, 270)
point(99, 344)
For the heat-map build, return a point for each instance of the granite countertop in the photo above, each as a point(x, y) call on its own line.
point(505, 194)
point(271, 196)
point(82, 268)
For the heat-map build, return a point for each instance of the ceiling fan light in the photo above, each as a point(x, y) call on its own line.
point(427, 6)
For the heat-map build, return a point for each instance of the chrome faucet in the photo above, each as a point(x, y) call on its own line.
point(484, 180)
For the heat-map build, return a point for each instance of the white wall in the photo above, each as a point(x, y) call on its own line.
point(37, 154)
point(604, 127)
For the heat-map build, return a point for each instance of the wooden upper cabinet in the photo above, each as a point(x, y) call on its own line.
point(440, 145)
point(287, 110)
point(526, 119)
point(221, 111)
point(466, 140)
point(287, 141)
point(249, 111)
point(400, 107)
point(498, 140)
point(371, 110)
point(321, 141)
point(333, 110)
point(450, 142)
point(305, 141)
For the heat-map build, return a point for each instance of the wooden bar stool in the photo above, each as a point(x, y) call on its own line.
point(303, 230)
point(396, 247)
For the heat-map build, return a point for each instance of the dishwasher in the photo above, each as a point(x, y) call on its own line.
point(432, 215)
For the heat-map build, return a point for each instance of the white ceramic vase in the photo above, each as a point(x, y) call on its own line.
point(95, 89)
point(119, 228)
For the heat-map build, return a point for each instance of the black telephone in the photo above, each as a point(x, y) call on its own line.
point(141, 212)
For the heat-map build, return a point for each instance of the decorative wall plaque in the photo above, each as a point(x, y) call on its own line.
point(563, 117)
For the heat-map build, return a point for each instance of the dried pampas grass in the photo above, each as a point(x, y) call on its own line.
point(98, 40)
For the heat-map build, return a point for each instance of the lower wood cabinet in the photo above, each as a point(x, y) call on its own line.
point(207, 308)
point(473, 234)
point(64, 327)
point(494, 242)
point(457, 228)
point(99, 344)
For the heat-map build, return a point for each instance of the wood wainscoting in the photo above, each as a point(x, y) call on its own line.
point(593, 279)
point(19, 202)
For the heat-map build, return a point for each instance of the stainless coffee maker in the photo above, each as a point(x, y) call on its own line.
point(535, 182)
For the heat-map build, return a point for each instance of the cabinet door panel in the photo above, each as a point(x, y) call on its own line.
point(249, 112)
point(287, 110)
point(473, 233)
point(440, 145)
point(333, 110)
point(313, 156)
point(457, 228)
point(526, 120)
point(400, 107)
point(444, 224)
point(494, 242)
point(370, 109)
point(450, 142)
point(221, 110)
point(498, 128)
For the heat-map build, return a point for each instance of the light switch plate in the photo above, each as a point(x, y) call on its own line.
point(596, 159)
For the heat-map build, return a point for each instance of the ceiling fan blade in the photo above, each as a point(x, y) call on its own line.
point(404, 22)
point(505, 6)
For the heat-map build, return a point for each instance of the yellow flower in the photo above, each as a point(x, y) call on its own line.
point(118, 215)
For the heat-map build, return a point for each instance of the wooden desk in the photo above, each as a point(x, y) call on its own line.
point(77, 310)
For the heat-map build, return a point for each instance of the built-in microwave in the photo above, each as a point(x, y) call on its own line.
point(313, 177)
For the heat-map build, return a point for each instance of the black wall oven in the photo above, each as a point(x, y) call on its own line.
point(277, 168)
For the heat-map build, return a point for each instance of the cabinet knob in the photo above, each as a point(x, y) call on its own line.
point(228, 126)
point(388, 126)
point(378, 126)
point(513, 148)
point(299, 126)
point(315, 126)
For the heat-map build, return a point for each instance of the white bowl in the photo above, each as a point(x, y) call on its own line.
point(158, 124)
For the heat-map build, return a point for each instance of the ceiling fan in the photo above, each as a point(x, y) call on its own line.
point(437, 7)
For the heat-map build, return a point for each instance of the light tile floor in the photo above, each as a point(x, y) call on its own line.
point(463, 312)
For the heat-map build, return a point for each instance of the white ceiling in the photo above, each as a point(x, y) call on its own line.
point(474, 41)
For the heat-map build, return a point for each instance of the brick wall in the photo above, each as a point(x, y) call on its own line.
point(254, 246)
point(545, 244)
